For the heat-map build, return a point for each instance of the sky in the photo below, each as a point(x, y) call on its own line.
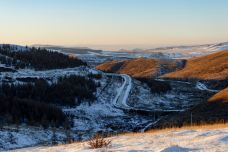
point(113, 23)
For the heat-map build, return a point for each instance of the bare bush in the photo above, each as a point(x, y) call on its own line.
point(98, 141)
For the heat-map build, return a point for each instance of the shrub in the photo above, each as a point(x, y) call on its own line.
point(98, 141)
point(156, 86)
point(96, 76)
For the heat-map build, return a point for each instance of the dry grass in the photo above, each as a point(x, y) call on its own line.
point(220, 96)
point(139, 67)
point(210, 67)
point(193, 127)
point(98, 141)
point(108, 66)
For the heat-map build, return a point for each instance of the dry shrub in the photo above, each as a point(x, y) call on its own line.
point(98, 141)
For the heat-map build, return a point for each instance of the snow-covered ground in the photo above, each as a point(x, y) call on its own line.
point(184, 140)
point(100, 116)
point(12, 137)
point(51, 75)
point(107, 114)
point(182, 96)
point(123, 92)
point(175, 52)
point(202, 86)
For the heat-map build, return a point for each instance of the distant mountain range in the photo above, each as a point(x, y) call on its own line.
point(180, 49)
point(213, 66)
point(74, 50)
point(172, 52)
point(175, 52)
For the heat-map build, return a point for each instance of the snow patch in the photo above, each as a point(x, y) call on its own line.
point(202, 86)
point(176, 148)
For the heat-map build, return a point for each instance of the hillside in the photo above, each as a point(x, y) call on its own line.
point(73, 50)
point(36, 84)
point(141, 67)
point(40, 59)
point(210, 67)
point(220, 96)
point(213, 110)
point(206, 138)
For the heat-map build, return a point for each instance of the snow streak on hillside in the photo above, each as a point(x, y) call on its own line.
point(205, 140)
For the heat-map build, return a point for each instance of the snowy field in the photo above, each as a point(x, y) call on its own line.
point(13, 137)
point(103, 115)
point(109, 114)
point(50, 75)
point(182, 96)
point(173, 52)
point(183, 140)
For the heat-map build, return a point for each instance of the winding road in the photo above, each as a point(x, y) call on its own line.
point(120, 100)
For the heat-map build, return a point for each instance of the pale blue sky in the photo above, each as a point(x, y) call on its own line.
point(113, 22)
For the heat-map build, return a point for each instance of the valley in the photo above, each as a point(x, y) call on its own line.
point(113, 76)
point(107, 93)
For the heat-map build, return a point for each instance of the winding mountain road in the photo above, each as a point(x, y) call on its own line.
point(120, 101)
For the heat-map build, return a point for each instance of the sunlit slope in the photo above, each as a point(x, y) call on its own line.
point(210, 67)
point(220, 96)
point(141, 67)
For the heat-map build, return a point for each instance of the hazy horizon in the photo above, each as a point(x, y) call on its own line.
point(113, 24)
point(118, 47)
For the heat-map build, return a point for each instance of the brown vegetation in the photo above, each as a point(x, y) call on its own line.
point(140, 67)
point(194, 126)
point(220, 96)
point(98, 141)
point(210, 67)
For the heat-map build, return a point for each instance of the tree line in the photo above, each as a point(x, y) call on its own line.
point(68, 91)
point(37, 58)
point(38, 102)
point(156, 86)
point(14, 110)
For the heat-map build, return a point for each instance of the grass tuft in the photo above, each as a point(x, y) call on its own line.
point(98, 141)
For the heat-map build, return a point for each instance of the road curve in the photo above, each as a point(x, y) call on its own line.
point(120, 101)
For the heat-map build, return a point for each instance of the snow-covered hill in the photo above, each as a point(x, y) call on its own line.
point(184, 140)
point(14, 47)
point(174, 52)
